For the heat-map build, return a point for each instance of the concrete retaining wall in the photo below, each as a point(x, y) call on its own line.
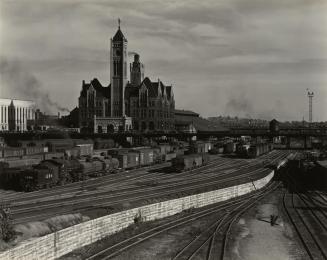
point(64, 241)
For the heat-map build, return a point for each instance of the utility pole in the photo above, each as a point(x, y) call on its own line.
point(310, 96)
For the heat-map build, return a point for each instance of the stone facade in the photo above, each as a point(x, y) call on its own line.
point(151, 105)
point(122, 105)
point(15, 114)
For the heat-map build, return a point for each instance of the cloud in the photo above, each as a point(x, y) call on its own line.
point(18, 83)
point(208, 50)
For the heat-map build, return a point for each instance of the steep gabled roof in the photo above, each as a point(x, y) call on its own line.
point(151, 86)
point(95, 83)
point(154, 88)
point(119, 36)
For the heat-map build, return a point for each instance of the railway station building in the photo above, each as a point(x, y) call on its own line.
point(124, 105)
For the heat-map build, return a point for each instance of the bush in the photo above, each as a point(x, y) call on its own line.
point(7, 232)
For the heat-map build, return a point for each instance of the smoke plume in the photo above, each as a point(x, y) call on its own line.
point(239, 105)
point(242, 106)
point(18, 83)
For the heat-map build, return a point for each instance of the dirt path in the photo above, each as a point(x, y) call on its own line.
point(255, 239)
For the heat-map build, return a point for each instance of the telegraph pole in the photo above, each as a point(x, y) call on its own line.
point(310, 96)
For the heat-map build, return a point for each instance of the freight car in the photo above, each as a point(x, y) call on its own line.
point(200, 147)
point(59, 145)
point(104, 143)
point(54, 172)
point(258, 150)
point(12, 152)
point(11, 177)
point(145, 156)
point(242, 150)
point(53, 155)
point(229, 147)
point(169, 156)
point(189, 162)
point(111, 165)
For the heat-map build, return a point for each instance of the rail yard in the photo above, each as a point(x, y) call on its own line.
point(136, 186)
point(214, 231)
point(113, 180)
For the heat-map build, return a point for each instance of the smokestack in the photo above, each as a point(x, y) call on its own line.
point(136, 58)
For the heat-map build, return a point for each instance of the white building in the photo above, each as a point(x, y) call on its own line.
point(14, 114)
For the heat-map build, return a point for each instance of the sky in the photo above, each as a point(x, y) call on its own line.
point(246, 58)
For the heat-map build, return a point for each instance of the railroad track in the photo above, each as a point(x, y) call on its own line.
point(312, 220)
point(110, 180)
point(174, 177)
point(208, 238)
point(308, 238)
point(133, 196)
point(90, 183)
point(171, 178)
point(292, 204)
point(97, 201)
point(133, 185)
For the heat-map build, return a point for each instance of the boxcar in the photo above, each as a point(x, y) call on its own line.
point(133, 160)
point(21, 162)
point(187, 162)
point(53, 155)
point(122, 159)
point(165, 148)
point(116, 151)
point(59, 145)
point(145, 155)
point(111, 165)
point(157, 156)
point(169, 156)
point(29, 150)
point(229, 147)
point(12, 152)
point(103, 143)
point(11, 178)
point(85, 149)
point(72, 152)
point(205, 159)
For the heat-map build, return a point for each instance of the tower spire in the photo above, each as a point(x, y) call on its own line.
point(119, 23)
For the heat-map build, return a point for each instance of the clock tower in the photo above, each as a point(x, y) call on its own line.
point(118, 73)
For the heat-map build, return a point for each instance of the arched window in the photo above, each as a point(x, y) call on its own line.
point(110, 128)
point(99, 129)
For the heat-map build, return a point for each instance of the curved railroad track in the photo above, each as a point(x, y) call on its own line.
point(206, 239)
point(174, 182)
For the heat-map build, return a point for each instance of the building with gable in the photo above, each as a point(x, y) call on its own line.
point(136, 104)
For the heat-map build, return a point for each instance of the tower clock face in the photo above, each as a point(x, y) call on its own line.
point(117, 52)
